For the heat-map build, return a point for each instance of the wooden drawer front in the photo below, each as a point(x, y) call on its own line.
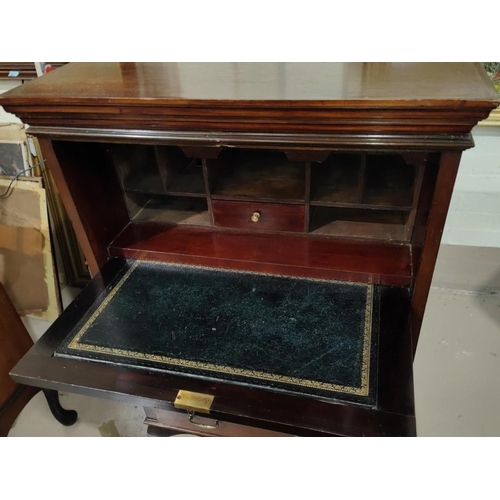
point(178, 422)
point(267, 216)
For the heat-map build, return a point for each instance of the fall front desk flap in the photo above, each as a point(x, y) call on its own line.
point(303, 336)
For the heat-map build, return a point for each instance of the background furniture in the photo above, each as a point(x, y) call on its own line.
point(14, 343)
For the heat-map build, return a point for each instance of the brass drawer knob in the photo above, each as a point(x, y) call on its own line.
point(256, 217)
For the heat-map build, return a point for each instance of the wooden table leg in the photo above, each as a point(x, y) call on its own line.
point(15, 341)
point(63, 416)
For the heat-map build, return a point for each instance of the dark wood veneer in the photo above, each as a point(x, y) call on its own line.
point(448, 168)
point(271, 217)
point(284, 254)
point(318, 97)
point(90, 192)
point(305, 145)
point(300, 116)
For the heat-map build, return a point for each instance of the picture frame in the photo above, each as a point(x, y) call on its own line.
point(493, 71)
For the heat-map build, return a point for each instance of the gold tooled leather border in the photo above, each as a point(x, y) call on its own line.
point(362, 390)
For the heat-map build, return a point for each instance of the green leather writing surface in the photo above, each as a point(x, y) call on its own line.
point(294, 334)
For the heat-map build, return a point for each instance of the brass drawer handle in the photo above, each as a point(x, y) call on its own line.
point(204, 426)
point(256, 217)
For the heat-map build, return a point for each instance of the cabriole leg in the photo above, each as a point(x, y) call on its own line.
point(64, 417)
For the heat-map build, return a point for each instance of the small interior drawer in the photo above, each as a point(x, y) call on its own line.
point(259, 216)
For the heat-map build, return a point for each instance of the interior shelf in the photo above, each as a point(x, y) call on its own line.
point(381, 182)
point(136, 168)
point(336, 258)
point(337, 180)
point(358, 223)
point(180, 175)
point(352, 195)
point(257, 175)
point(389, 181)
point(158, 170)
point(168, 209)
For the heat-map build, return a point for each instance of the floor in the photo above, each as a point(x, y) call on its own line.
point(457, 369)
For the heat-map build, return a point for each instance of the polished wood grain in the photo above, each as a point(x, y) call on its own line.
point(365, 224)
point(422, 209)
point(298, 146)
point(272, 97)
point(187, 82)
point(448, 168)
point(69, 204)
point(271, 217)
point(91, 194)
point(289, 254)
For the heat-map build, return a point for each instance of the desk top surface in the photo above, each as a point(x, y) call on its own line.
point(182, 82)
point(301, 335)
point(385, 99)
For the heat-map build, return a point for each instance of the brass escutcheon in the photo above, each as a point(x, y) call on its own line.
point(193, 401)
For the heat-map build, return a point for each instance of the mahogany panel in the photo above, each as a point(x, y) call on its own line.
point(362, 223)
point(269, 216)
point(422, 210)
point(69, 204)
point(186, 83)
point(260, 97)
point(333, 258)
point(358, 124)
point(448, 168)
point(91, 194)
point(300, 143)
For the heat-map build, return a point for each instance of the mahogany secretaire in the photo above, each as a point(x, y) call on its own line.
point(262, 236)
